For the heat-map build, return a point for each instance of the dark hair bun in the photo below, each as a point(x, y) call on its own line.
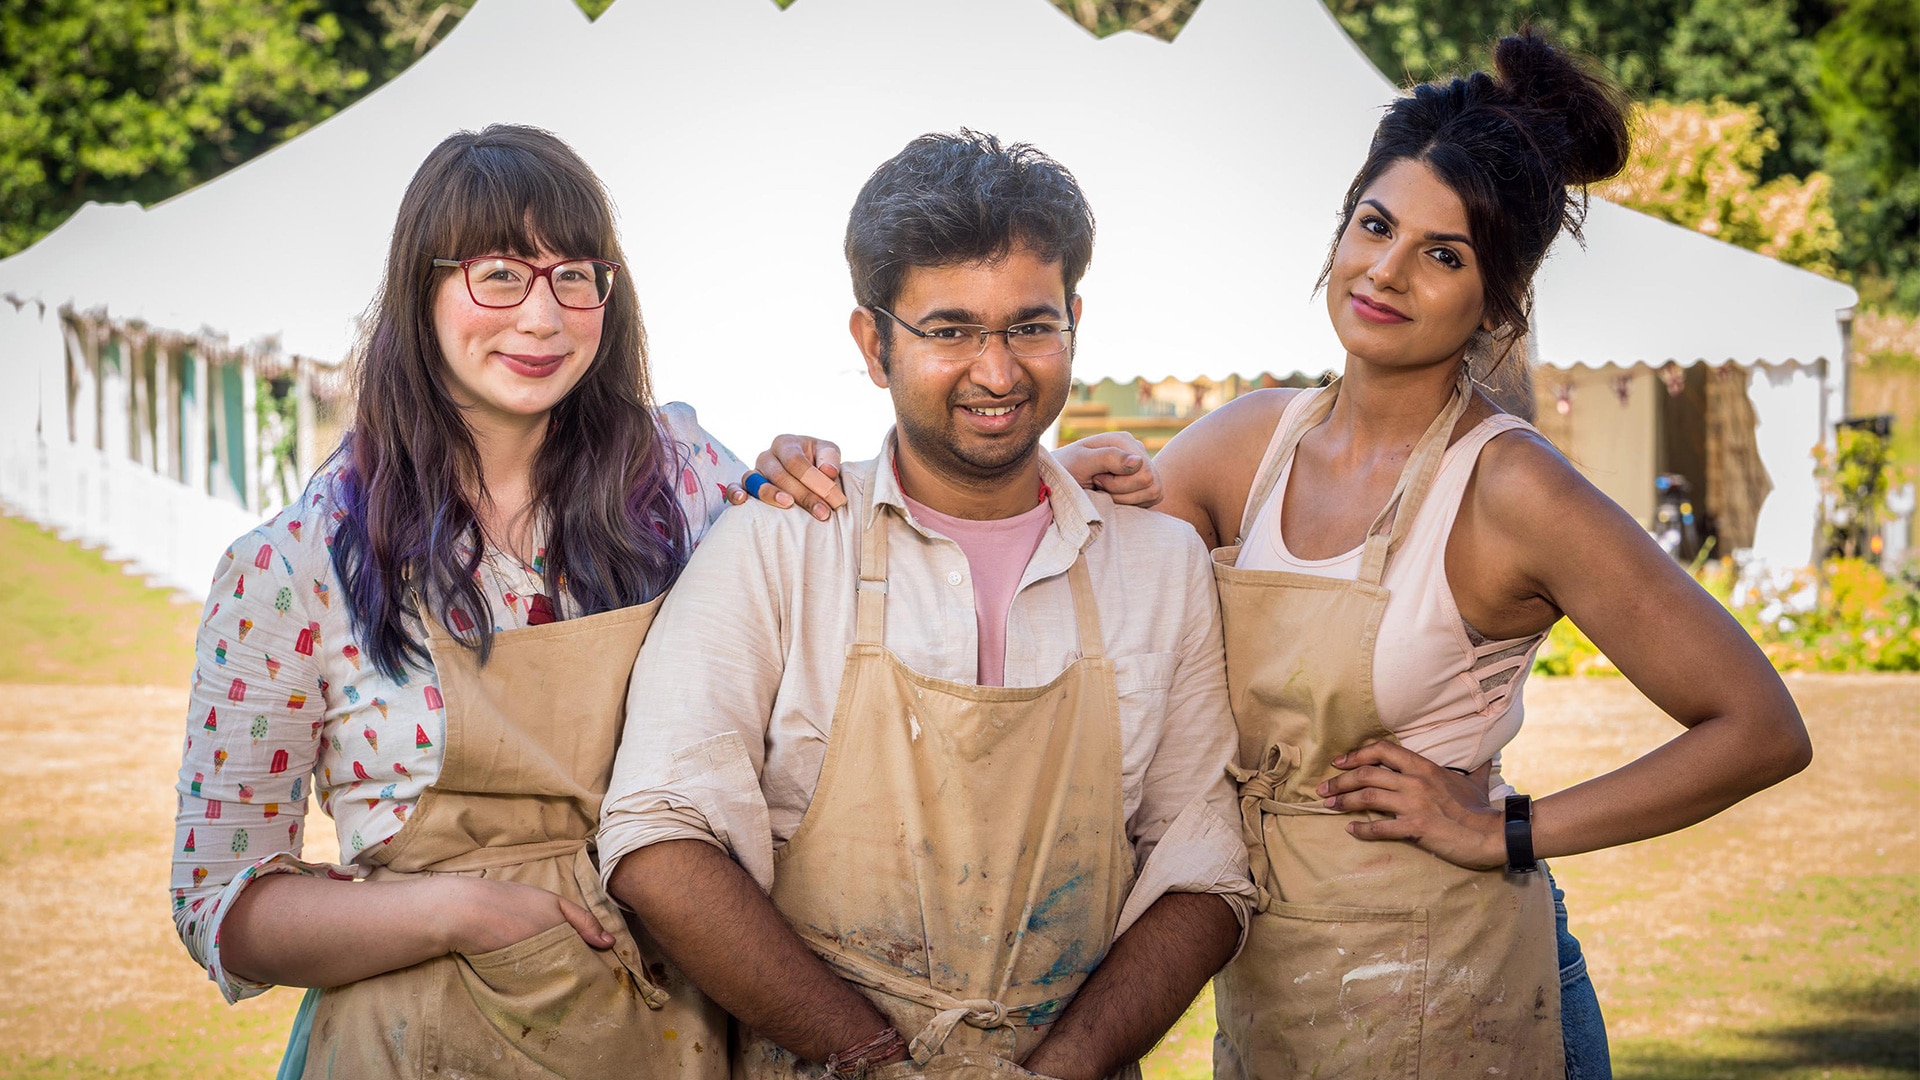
point(1579, 115)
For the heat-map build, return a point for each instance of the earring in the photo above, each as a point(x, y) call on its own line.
point(1482, 355)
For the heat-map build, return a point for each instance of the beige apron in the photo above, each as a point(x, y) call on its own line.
point(965, 857)
point(528, 752)
point(1458, 977)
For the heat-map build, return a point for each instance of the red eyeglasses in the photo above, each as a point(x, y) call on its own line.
point(495, 281)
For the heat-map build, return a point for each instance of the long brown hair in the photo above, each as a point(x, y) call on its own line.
point(615, 535)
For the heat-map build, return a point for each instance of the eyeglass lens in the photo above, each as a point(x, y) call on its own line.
point(581, 283)
point(1023, 339)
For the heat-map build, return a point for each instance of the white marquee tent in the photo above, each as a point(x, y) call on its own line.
point(733, 136)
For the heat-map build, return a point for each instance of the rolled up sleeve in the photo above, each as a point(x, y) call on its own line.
point(698, 706)
point(1185, 835)
point(250, 747)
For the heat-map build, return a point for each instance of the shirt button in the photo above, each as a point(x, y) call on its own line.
point(955, 577)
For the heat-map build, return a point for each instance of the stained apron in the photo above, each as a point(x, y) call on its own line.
point(529, 749)
point(964, 859)
point(1366, 959)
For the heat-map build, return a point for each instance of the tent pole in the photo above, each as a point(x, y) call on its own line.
point(303, 421)
point(252, 490)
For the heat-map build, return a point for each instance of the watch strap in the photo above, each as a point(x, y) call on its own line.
point(1520, 834)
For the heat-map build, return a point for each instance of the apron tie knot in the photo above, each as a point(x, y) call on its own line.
point(978, 1012)
point(1260, 788)
point(1278, 762)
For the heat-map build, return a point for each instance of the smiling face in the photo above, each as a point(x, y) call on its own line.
point(977, 422)
point(1405, 287)
point(509, 367)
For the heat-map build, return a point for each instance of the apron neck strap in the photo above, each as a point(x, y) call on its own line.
point(1263, 484)
point(1085, 613)
point(871, 614)
point(871, 625)
point(1416, 479)
point(436, 633)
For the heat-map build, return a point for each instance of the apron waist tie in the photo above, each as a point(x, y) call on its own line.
point(1263, 781)
point(1257, 786)
point(979, 1012)
point(1252, 806)
point(949, 1011)
point(487, 858)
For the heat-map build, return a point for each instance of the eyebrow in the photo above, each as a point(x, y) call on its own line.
point(1451, 238)
point(963, 316)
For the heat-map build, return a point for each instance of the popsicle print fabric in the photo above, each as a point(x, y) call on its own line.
point(285, 705)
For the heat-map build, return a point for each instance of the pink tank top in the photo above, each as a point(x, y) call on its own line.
point(1443, 689)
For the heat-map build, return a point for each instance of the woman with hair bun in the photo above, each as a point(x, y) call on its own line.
point(1400, 542)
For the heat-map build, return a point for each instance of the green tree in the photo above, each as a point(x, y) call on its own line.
point(116, 100)
point(410, 27)
point(1868, 98)
point(1160, 18)
point(1422, 39)
point(1750, 51)
point(119, 99)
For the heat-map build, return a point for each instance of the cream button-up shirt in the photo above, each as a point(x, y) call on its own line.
point(732, 698)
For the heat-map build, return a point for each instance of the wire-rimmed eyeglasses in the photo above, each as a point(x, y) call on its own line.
point(966, 341)
point(495, 281)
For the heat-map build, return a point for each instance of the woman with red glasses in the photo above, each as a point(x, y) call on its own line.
point(435, 640)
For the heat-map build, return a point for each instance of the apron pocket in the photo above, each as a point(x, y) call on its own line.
point(547, 990)
point(1320, 990)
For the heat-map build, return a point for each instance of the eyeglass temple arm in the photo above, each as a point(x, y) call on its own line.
point(909, 327)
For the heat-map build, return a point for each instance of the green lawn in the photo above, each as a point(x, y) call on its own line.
point(74, 617)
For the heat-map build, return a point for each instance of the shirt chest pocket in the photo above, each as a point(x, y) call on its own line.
point(1143, 678)
point(1143, 682)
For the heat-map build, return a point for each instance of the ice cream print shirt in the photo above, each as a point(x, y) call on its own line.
point(285, 704)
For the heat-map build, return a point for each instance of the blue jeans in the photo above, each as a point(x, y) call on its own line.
point(1582, 1027)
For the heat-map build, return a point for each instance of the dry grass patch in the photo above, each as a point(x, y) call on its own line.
point(99, 983)
point(1775, 940)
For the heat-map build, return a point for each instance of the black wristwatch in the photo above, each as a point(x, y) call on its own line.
point(1520, 835)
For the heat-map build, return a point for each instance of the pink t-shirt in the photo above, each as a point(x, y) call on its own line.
point(997, 553)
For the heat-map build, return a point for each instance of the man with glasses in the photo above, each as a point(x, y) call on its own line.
point(945, 777)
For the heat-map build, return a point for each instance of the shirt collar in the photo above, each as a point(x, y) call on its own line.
point(1074, 511)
